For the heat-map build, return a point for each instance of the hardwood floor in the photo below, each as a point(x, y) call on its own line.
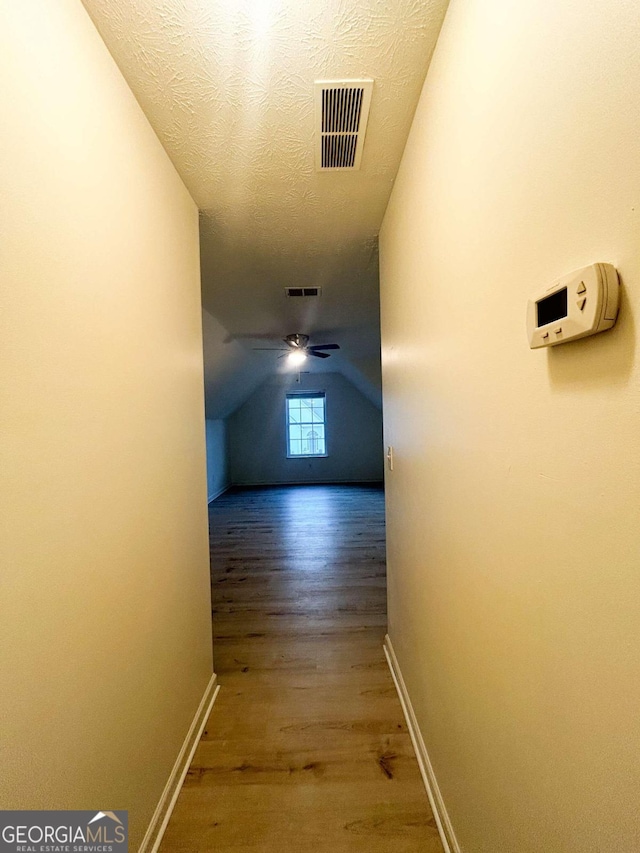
point(306, 748)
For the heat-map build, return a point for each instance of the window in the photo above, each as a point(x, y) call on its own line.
point(306, 424)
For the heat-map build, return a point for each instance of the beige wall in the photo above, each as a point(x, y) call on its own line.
point(514, 506)
point(105, 629)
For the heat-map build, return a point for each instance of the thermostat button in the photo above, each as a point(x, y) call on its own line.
point(558, 331)
point(582, 288)
point(582, 302)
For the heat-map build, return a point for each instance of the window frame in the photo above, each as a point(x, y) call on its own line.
point(306, 395)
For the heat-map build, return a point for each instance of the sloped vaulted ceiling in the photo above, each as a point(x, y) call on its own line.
point(228, 87)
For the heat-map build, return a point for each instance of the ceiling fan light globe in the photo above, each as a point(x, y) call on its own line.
point(297, 358)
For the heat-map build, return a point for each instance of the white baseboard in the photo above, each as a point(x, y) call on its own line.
point(218, 493)
point(445, 829)
point(160, 819)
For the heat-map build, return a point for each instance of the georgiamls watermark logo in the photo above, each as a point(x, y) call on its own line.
point(64, 832)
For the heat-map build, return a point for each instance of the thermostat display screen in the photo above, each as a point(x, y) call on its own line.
point(552, 308)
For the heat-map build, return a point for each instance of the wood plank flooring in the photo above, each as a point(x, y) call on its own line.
point(306, 748)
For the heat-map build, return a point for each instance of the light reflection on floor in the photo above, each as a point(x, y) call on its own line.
point(311, 526)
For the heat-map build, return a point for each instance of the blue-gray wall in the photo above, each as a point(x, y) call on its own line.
point(217, 469)
point(257, 435)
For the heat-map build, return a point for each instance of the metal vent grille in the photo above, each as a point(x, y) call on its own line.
point(339, 152)
point(302, 291)
point(342, 111)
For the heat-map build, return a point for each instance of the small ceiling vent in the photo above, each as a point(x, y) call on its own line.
point(302, 291)
point(342, 111)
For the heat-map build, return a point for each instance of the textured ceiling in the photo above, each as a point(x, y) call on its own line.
point(228, 87)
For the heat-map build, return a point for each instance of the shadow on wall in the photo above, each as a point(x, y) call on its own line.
point(604, 359)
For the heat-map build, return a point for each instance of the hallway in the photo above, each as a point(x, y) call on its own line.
point(306, 748)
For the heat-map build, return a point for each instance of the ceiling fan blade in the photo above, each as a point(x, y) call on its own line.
point(269, 349)
point(325, 346)
point(319, 354)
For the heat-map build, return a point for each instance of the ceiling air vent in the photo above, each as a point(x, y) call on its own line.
point(302, 291)
point(342, 110)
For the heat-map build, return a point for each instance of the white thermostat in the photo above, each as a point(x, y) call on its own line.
point(582, 303)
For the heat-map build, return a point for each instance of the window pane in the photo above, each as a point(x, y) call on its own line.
point(310, 444)
point(306, 426)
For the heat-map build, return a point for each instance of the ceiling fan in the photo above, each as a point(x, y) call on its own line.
point(298, 346)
